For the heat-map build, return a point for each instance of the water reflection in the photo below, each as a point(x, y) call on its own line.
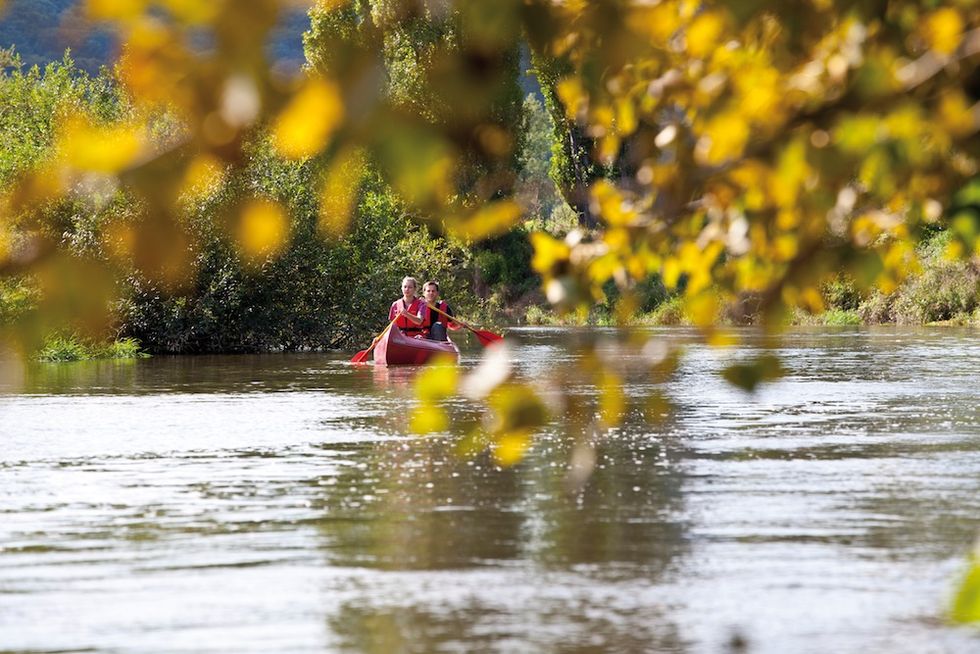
point(146, 502)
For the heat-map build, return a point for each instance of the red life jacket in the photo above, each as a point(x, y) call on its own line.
point(403, 323)
point(429, 316)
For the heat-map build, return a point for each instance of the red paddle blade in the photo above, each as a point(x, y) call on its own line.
point(359, 357)
point(486, 338)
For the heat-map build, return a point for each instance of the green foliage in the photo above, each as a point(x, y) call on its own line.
point(35, 101)
point(571, 167)
point(669, 312)
point(945, 290)
point(840, 317)
point(17, 296)
point(63, 348)
point(841, 293)
point(317, 293)
point(505, 262)
point(69, 347)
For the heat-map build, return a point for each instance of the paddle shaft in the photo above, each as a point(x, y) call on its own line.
point(455, 319)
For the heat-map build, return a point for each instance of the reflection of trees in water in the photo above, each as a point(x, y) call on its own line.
point(475, 627)
point(504, 548)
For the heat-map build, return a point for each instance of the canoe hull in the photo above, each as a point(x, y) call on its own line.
point(397, 349)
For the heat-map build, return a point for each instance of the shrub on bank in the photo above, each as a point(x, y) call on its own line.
point(69, 347)
point(840, 317)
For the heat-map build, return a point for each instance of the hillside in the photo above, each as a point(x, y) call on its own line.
point(41, 30)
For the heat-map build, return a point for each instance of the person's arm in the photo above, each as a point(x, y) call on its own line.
point(450, 323)
point(416, 317)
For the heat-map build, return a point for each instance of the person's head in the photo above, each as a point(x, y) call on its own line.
point(410, 286)
point(430, 290)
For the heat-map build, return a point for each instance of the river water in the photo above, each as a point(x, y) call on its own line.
point(276, 503)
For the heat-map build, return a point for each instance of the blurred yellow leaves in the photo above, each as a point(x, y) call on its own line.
point(495, 218)
point(748, 376)
point(116, 10)
point(724, 137)
point(549, 253)
point(338, 194)
point(943, 30)
point(516, 413)
point(510, 447)
point(306, 125)
point(704, 33)
point(437, 381)
point(101, 149)
point(262, 229)
point(966, 603)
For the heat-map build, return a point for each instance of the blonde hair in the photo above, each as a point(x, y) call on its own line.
point(414, 281)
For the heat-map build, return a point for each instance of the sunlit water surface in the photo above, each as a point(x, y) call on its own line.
point(277, 504)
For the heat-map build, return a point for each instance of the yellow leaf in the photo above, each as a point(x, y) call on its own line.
point(306, 124)
point(943, 30)
point(671, 272)
point(956, 113)
point(549, 252)
point(658, 23)
point(572, 95)
point(338, 194)
point(703, 309)
point(495, 218)
point(120, 10)
point(760, 92)
point(612, 399)
point(193, 12)
point(704, 34)
point(748, 376)
point(786, 246)
point(262, 229)
point(612, 206)
point(724, 137)
point(812, 300)
point(428, 420)
point(99, 149)
point(954, 251)
point(603, 268)
point(203, 174)
point(626, 120)
point(510, 447)
point(966, 604)
point(439, 379)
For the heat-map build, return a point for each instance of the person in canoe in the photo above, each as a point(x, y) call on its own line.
point(433, 322)
point(406, 309)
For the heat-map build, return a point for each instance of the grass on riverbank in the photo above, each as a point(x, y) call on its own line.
point(62, 348)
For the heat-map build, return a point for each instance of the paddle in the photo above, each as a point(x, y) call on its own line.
point(362, 355)
point(485, 337)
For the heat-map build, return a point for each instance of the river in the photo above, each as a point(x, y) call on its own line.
point(277, 503)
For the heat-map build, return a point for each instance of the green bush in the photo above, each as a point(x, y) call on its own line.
point(669, 312)
point(69, 347)
point(838, 317)
point(124, 348)
point(63, 348)
point(946, 290)
point(490, 267)
point(842, 294)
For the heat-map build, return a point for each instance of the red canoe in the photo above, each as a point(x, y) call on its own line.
point(395, 348)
